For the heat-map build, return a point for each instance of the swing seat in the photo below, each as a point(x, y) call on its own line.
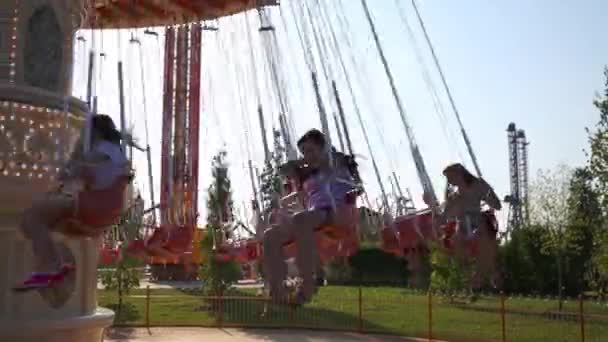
point(390, 241)
point(336, 239)
point(224, 254)
point(96, 210)
point(471, 245)
point(414, 228)
point(448, 230)
point(170, 240)
point(179, 240)
point(489, 224)
point(109, 256)
point(253, 250)
point(408, 232)
point(240, 252)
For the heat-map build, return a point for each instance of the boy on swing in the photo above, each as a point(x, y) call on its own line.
point(326, 189)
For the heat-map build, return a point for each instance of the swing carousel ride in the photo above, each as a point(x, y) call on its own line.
point(216, 58)
point(262, 81)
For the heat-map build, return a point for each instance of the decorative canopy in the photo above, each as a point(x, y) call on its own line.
point(113, 14)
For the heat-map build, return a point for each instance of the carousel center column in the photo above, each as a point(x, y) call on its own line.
point(39, 124)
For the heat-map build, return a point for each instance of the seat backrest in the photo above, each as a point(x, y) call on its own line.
point(414, 228)
point(180, 239)
point(488, 218)
point(346, 217)
point(103, 207)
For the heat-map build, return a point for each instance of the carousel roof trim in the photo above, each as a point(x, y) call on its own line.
point(116, 14)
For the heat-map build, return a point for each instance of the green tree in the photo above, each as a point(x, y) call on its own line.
point(271, 182)
point(584, 226)
point(124, 276)
point(598, 272)
point(598, 141)
point(549, 207)
point(218, 275)
point(598, 168)
point(526, 268)
point(449, 275)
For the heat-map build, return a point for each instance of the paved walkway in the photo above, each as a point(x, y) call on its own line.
point(249, 335)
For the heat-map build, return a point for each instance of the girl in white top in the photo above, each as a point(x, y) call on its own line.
point(97, 169)
point(464, 204)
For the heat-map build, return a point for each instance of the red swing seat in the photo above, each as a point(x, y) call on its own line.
point(449, 232)
point(449, 229)
point(390, 241)
point(240, 252)
point(109, 256)
point(96, 210)
point(408, 232)
point(172, 239)
point(179, 239)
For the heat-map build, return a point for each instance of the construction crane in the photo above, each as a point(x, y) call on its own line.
point(518, 170)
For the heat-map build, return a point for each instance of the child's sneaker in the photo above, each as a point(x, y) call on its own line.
point(44, 280)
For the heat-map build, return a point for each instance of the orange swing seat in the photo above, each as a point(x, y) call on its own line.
point(338, 239)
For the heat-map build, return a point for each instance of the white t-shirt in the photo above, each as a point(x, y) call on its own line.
point(106, 173)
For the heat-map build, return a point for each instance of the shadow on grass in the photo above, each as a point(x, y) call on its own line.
point(247, 310)
point(126, 313)
point(120, 334)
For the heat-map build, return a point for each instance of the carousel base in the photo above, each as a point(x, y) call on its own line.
point(77, 329)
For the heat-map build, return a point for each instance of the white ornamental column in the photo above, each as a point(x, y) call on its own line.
point(39, 123)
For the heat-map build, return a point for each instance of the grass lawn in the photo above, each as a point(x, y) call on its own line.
point(384, 310)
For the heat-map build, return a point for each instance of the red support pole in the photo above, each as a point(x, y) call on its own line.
point(179, 139)
point(194, 114)
point(167, 120)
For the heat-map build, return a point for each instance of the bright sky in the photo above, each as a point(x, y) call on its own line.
point(536, 63)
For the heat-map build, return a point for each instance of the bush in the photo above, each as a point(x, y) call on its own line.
point(217, 275)
point(373, 266)
point(122, 279)
point(448, 277)
point(338, 272)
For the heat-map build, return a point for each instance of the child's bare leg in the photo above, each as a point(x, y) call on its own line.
point(37, 225)
point(275, 268)
point(304, 224)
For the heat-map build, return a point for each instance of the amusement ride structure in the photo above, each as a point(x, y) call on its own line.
point(518, 171)
point(40, 121)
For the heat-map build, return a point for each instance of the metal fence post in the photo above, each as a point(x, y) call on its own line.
point(221, 307)
point(148, 306)
point(430, 308)
point(502, 316)
point(360, 322)
point(581, 315)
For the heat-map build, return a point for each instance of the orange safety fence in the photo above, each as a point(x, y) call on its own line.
point(382, 310)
